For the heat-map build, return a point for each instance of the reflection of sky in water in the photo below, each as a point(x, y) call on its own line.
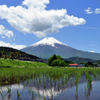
point(52, 90)
point(70, 94)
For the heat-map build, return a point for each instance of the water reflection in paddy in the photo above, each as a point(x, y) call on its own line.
point(46, 88)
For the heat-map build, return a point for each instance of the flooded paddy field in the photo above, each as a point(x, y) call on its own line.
point(55, 84)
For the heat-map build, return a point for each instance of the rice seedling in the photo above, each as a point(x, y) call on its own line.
point(30, 70)
point(18, 95)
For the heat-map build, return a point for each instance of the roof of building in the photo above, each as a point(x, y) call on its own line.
point(73, 64)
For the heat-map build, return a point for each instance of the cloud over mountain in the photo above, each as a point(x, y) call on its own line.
point(5, 32)
point(33, 17)
point(4, 44)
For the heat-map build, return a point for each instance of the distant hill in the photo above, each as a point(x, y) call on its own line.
point(80, 60)
point(49, 46)
point(6, 52)
point(97, 61)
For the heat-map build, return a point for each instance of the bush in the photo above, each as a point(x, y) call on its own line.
point(89, 64)
point(56, 61)
point(51, 59)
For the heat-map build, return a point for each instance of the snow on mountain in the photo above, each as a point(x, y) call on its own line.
point(49, 46)
point(48, 41)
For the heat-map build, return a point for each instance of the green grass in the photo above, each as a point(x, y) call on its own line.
point(8, 63)
point(14, 71)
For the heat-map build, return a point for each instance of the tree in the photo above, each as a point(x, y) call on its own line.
point(56, 61)
point(89, 64)
point(51, 59)
point(0, 55)
point(69, 62)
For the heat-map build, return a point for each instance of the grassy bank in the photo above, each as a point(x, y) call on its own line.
point(8, 63)
point(14, 71)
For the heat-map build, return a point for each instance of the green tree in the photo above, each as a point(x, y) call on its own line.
point(89, 64)
point(56, 61)
point(51, 59)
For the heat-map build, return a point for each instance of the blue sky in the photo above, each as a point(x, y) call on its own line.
point(85, 36)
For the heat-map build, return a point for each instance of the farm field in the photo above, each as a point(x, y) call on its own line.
point(21, 80)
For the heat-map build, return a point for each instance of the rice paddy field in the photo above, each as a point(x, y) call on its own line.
point(21, 80)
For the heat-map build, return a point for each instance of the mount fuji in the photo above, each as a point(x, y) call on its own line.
point(49, 46)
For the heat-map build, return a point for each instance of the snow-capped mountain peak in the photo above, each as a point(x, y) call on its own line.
point(48, 41)
point(46, 47)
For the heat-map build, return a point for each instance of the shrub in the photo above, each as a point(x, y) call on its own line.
point(89, 64)
point(56, 61)
point(51, 59)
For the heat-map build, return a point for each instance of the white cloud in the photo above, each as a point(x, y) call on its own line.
point(88, 10)
point(92, 51)
point(5, 33)
point(95, 11)
point(41, 4)
point(4, 44)
point(33, 17)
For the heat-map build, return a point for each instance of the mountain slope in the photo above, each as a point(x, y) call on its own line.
point(80, 60)
point(6, 52)
point(49, 46)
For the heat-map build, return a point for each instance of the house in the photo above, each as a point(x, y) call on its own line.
point(73, 65)
point(76, 65)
